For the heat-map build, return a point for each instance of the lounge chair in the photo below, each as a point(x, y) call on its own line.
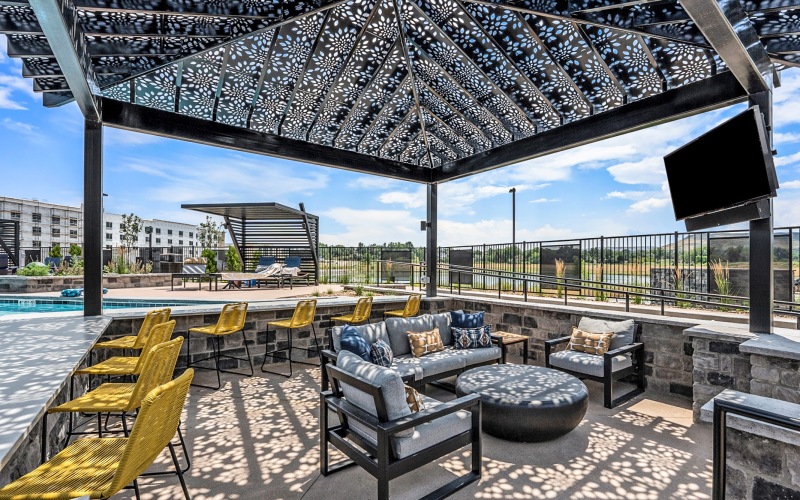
point(292, 272)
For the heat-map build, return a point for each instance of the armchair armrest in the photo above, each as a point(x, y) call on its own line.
point(421, 417)
point(329, 355)
point(623, 350)
point(549, 345)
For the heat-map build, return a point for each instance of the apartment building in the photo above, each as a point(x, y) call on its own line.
point(44, 224)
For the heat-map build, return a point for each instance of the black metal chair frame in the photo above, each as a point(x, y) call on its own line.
point(609, 377)
point(216, 355)
point(289, 348)
point(379, 460)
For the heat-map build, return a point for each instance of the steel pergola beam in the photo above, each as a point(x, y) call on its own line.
point(730, 32)
point(59, 22)
point(712, 93)
point(138, 118)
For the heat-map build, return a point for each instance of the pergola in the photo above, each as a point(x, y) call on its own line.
point(421, 90)
point(268, 229)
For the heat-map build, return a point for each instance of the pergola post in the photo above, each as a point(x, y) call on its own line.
point(761, 245)
point(93, 218)
point(431, 243)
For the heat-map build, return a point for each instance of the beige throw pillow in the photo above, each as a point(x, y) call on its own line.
point(590, 343)
point(414, 399)
point(423, 343)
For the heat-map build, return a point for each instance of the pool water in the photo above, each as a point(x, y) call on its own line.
point(18, 305)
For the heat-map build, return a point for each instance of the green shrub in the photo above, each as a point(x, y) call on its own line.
point(75, 250)
point(211, 260)
point(34, 269)
point(234, 262)
point(359, 290)
point(55, 251)
point(329, 291)
point(344, 279)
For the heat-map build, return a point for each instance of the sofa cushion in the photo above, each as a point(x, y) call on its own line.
point(442, 321)
point(463, 319)
point(477, 356)
point(433, 364)
point(589, 364)
point(472, 338)
point(623, 330)
point(423, 343)
point(392, 391)
point(397, 329)
point(371, 333)
point(590, 343)
point(381, 353)
point(433, 432)
point(353, 341)
point(407, 366)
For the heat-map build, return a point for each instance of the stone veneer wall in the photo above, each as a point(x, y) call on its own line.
point(31, 284)
point(777, 378)
point(668, 357)
point(760, 468)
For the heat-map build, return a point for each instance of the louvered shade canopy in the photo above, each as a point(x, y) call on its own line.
point(422, 90)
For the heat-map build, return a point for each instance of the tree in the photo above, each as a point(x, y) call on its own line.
point(210, 233)
point(129, 230)
point(75, 250)
point(55, 251)
point(232, 256)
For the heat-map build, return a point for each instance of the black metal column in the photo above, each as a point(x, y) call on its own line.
point(432, 245)
point(93, 218)
point(761, 243)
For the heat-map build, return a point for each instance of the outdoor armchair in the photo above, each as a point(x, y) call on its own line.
point(101, 467)
point(411, 308)
point(377, 430)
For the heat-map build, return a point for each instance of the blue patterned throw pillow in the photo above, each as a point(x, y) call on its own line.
point(472, 338)
point(352, 341)
point(381, 353)
point(461, 319)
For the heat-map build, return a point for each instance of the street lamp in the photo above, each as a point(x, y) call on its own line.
point(513, 192)
point(148, 230)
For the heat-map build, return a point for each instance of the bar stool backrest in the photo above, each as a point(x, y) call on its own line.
point(363, 309)
point(159, 365)
point(154, 427)
point(153, 317)
point(412, 306)
point(231, 319)
point(159, 334)
point(304, 313)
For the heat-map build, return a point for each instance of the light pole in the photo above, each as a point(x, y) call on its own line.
point(513, 192)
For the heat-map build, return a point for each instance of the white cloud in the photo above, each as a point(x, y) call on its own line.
point(649, 205)
point(545, 200)
point(408, 199)
point(373, 182)
point(649, 170)
point(790, 184)
point(31, 132)
point(627, 195)
point(10, 87)
point(782, 161)
point(372, 226)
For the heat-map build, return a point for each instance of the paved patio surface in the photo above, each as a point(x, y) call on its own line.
point(258, 438)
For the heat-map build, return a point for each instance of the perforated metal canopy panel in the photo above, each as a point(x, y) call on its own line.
point(426, 85)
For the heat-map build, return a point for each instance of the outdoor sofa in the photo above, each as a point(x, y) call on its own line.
point(416, 371)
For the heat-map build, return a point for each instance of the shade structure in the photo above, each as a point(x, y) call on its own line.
point(9, 240)
point(269, 230)
point(423, 90)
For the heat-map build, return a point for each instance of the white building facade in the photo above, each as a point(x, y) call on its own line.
point(43, 224)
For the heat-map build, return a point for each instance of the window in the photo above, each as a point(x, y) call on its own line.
point(109, 236)
point(180, 233)
point(158, 230)
point(37, 231)
point(169, 231)
point(37, 243)
point(73, 233)
point(37, 217)
point(55, 232)
point(180, 242)
point(15, 215)
point(73, 222)
point(169, 242)
point(158, 240)
point(109, 225)
point(55, 220)
point(191, 234)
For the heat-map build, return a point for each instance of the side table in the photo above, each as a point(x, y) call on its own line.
point(505, 339)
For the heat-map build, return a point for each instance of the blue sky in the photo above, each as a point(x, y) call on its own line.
point(614, 187)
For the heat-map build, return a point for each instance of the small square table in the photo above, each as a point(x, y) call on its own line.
point(505, 339)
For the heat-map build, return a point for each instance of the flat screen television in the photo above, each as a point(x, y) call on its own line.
point(728, 166)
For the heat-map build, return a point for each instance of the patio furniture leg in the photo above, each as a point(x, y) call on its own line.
point(273, 352)
point(179, 472)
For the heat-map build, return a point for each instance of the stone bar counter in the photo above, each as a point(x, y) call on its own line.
point(37, 358)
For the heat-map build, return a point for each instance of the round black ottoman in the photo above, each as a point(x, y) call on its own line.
point(526, 403)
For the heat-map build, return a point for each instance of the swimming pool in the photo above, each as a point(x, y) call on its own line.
point(19, 305)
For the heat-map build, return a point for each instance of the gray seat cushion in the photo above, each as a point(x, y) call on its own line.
point(397, 329)
point(623, 330)
point(589, 364)
point(406, 365)
point(393, 391)
point(479, 355)
point(434, 363)
point(372, 333)
point(433, 432)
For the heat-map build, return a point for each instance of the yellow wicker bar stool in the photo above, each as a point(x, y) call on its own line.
point(302, 317)
point(360, 313)
point(231, 320)
point(136, 342)
point(411, 308)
